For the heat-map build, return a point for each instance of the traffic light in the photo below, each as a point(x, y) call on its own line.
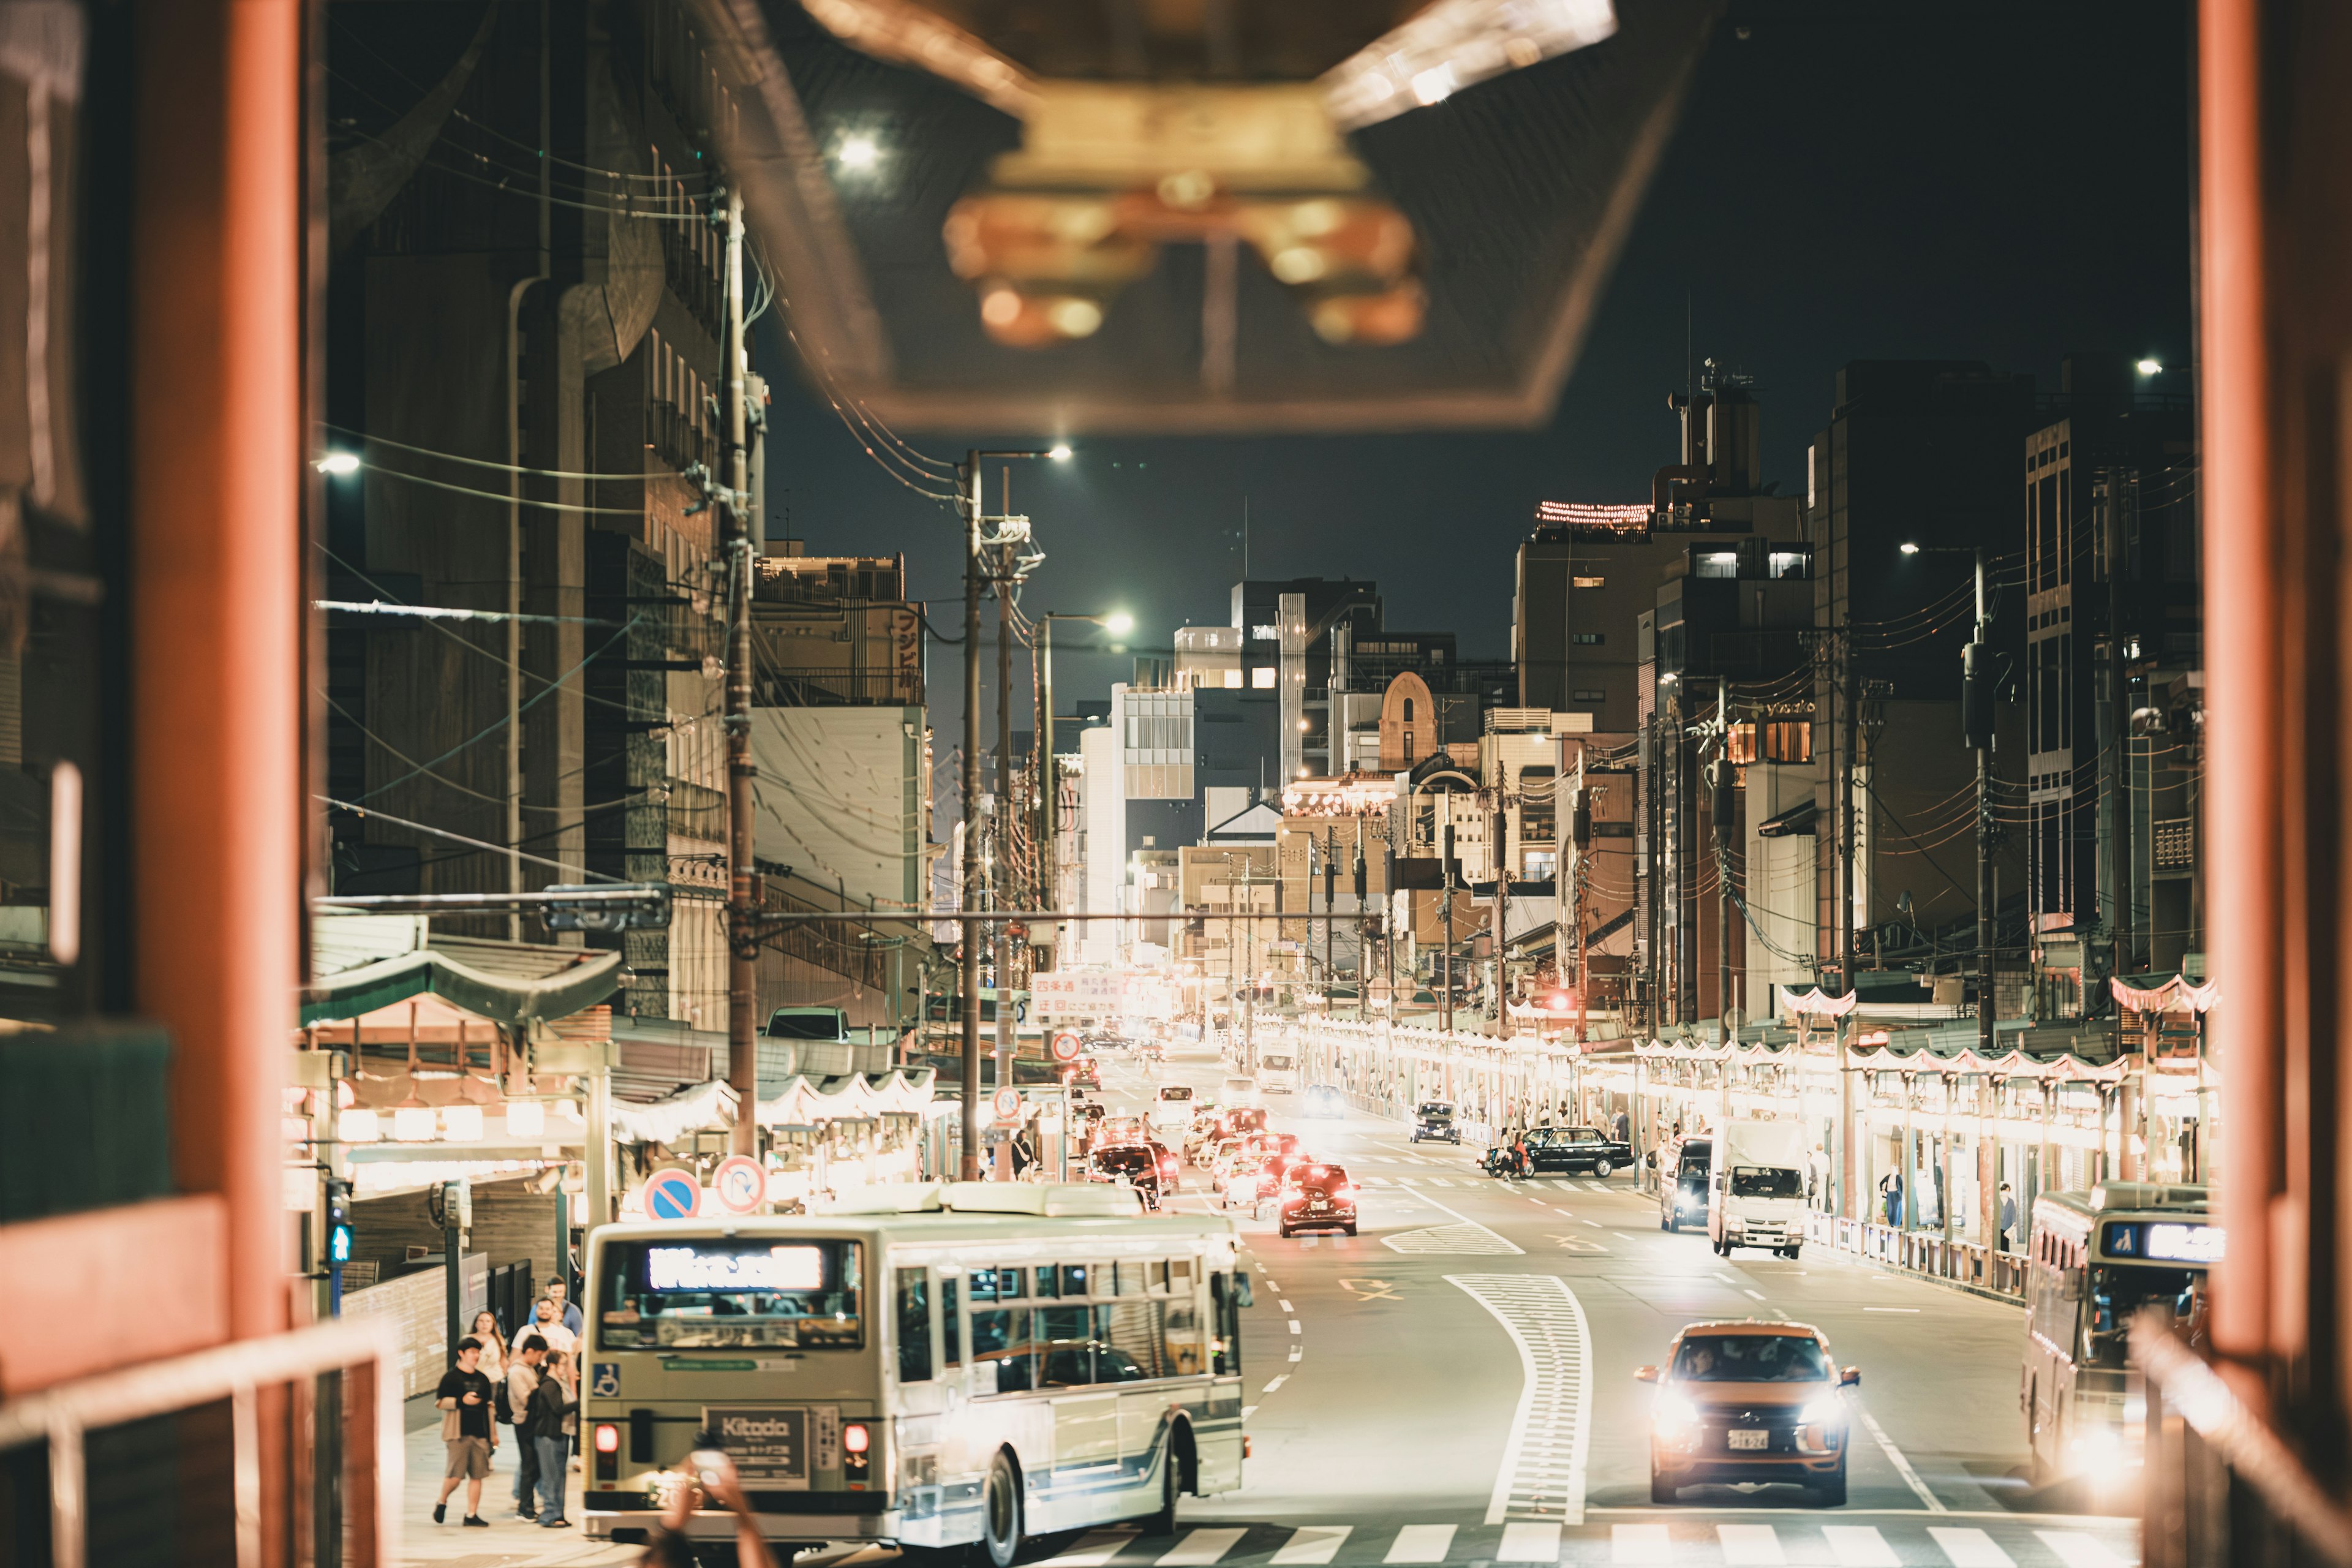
point(338, 1222)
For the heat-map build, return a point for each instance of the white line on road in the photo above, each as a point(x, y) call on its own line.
point(1757, 1294)
point(1285, 1305)
point(1201, 1548)
point(1890, 1309)
point(1294, 1325)
point(1542, 1472)
point(1248, 1411)
point(1421, 1544)
point(1971, 1547)
point(1313, 1543)
point(1277, 1383)
point(1752, 1543)
point(1466, 1219)
point(1294, 1353)
point(1902, 1465)
point(1860, 1546)
point(1639, 1543)
point(1528, 1543)
point(1091, 1551)
point(2080, 1551)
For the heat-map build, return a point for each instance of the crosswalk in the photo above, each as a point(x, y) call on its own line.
point(1682, 1542)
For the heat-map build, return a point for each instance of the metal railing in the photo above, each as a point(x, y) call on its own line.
point(320, 1396)
point(1968, 1263)
point(2223, 1488)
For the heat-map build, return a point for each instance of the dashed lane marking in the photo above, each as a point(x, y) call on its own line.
point(1901, 1465)
point(1528, 1542)
point(1091, 1551)
point(1316, 1543)
point(1968, 1548)
point(1860, 1546)
point(1641, 1543)
point(1542, 1475)
point(1749, 1543)
point(1201, 1548)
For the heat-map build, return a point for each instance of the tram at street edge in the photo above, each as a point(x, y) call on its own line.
point(2098, 1258)
point(934, 1366)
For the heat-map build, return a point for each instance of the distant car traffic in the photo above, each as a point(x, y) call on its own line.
point(1084, 1072)
point(1681, 1182)
point(1322, 1100)
point(1748, 1402)
point(1171, 1106)
point(1317, 1195)
point(1132, 1162)
point(1434, 1120)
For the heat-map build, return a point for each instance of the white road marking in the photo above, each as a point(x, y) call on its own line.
point(1860, 1546)
point(1439, 1182)
point(1315, 1543)
point(1201, 1548)
point(1527, 1543)
point(1294, 1324)
point(1248, 1411)
point(1639, 1543)
point(1421, 1544)
point(1295, 1352)
point(1542, 1473)
point(1757, 1294)
point(2079, 1550)
point(1091, 1551)
point(1284, 1305)
point(1746, 1543)
point(1901, 1465)
point(1890, 1309)
point(1971, 1547)
point(1277, 1383)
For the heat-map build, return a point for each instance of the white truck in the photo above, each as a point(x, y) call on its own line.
point(1756, 1191)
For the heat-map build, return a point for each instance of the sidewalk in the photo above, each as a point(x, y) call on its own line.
point(509, 1542)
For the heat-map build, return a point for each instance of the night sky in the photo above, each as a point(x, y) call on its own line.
point(1996, 181)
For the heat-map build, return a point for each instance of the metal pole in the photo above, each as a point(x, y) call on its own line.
point(1978, 683)
point(1007, 897)
point(742, 900)
point(1503, 912)
point(1852, 696)
point(969, 483)
point(1723, 824)
point(1049, 781)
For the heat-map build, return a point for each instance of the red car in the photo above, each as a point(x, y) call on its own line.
point(1318, 1196)
point(1083, 1073)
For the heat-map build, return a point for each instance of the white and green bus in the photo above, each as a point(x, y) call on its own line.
point(932, 1365)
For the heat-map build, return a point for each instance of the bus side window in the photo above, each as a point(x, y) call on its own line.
point(950, 1322)
point(1225, 1315)
point(914, 1303)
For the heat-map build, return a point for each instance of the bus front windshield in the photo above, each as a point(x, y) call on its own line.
point(709, 1292)
point(2118, 1294)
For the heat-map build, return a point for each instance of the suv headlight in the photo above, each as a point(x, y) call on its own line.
point(1824, 1412)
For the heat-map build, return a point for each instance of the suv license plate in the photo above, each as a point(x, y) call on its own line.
point(1748, 1439)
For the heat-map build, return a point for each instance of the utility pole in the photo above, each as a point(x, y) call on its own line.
point(1976, 720)
point(1848, 691)
point(1330, 875)
point(1502, 911)
point(1363, 969)
point(1723, 826)
point(1007, 895)
point(970, 483)
point(742, 883)
point(1445, 993)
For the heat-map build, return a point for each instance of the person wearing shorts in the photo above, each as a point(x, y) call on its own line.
point(464, 1396)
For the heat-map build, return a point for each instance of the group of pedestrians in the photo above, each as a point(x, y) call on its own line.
point(532, 1385)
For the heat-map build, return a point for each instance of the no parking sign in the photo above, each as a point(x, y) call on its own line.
point(1008, 1104)
point(740, 1184)
point(1065, 1046)
point(672, 1195)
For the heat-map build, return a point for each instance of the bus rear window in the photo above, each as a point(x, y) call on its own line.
point(1175, 1092)
point(710, 1293)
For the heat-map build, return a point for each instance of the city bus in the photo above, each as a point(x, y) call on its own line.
point(931, 1365)
point(2097, 1260)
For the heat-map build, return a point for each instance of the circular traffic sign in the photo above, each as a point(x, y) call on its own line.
point(740, 1184)
point(1008, 1104)
point(672, 1195)
point(1065, 1046)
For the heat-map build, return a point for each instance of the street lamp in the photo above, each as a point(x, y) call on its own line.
point(338, 465)
point(2149, 367)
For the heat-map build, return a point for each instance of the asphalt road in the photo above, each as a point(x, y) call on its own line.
point(1454, 1385)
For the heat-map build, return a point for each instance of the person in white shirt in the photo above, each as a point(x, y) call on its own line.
point(548, 1326)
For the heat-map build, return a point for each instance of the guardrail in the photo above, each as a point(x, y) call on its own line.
point(195, 1456)
point(2223, 1488)
point(1970, 1265)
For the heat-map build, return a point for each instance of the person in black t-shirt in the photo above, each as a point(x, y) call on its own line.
point(466, 1429)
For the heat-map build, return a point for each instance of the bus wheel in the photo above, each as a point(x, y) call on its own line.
point(1174, 1475)
point(1000, 1512)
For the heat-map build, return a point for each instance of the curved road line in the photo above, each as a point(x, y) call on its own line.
point(1560, 1382)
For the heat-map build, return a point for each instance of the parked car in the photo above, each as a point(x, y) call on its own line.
point(1571, 1150)
point(1434, 1120)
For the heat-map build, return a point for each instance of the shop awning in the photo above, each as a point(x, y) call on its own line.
point(512, 999)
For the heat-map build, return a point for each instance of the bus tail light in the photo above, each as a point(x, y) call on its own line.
point(608, 1451)
point(856, 1455)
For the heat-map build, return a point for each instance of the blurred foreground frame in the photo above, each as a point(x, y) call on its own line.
point(1319, 218)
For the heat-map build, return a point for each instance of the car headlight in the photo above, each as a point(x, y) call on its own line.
point(1826, 1412)
point(1673, 1415)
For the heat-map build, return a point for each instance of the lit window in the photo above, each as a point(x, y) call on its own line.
point(1233, 679)
point(1262, 677)
point(1593, 581)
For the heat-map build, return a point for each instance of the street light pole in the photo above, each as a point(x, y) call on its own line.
point(969, 486)
point(742, 900)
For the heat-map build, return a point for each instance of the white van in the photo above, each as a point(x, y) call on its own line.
point(1237, 1090)
point(1171, 1108)
point(1756, 1193)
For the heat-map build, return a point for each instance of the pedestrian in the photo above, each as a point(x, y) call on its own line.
point(549, 1325)
point(551, 1405)
point(2008, 1216)
point(464, 1396)
point(670, 1548)
point(569, 1310)
point(523, 1378)
point(1620, 1128)
point(494, 1345)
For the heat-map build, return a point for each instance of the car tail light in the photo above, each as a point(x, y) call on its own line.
point(856, 1462)
point(855, 1438)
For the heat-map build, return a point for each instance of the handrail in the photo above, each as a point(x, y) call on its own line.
point(2255, 1454)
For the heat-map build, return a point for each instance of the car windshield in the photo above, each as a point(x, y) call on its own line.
point(714, 1292)
point(1750, 1358)
point(1126, 1157)
point(1436, 1110)
point(1765, 1182)
point(1175, 1092)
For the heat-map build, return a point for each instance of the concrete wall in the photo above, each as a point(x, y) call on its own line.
point(839, 798)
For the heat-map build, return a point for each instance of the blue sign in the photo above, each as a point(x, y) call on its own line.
point(672, 1195)
point(605, 1382)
